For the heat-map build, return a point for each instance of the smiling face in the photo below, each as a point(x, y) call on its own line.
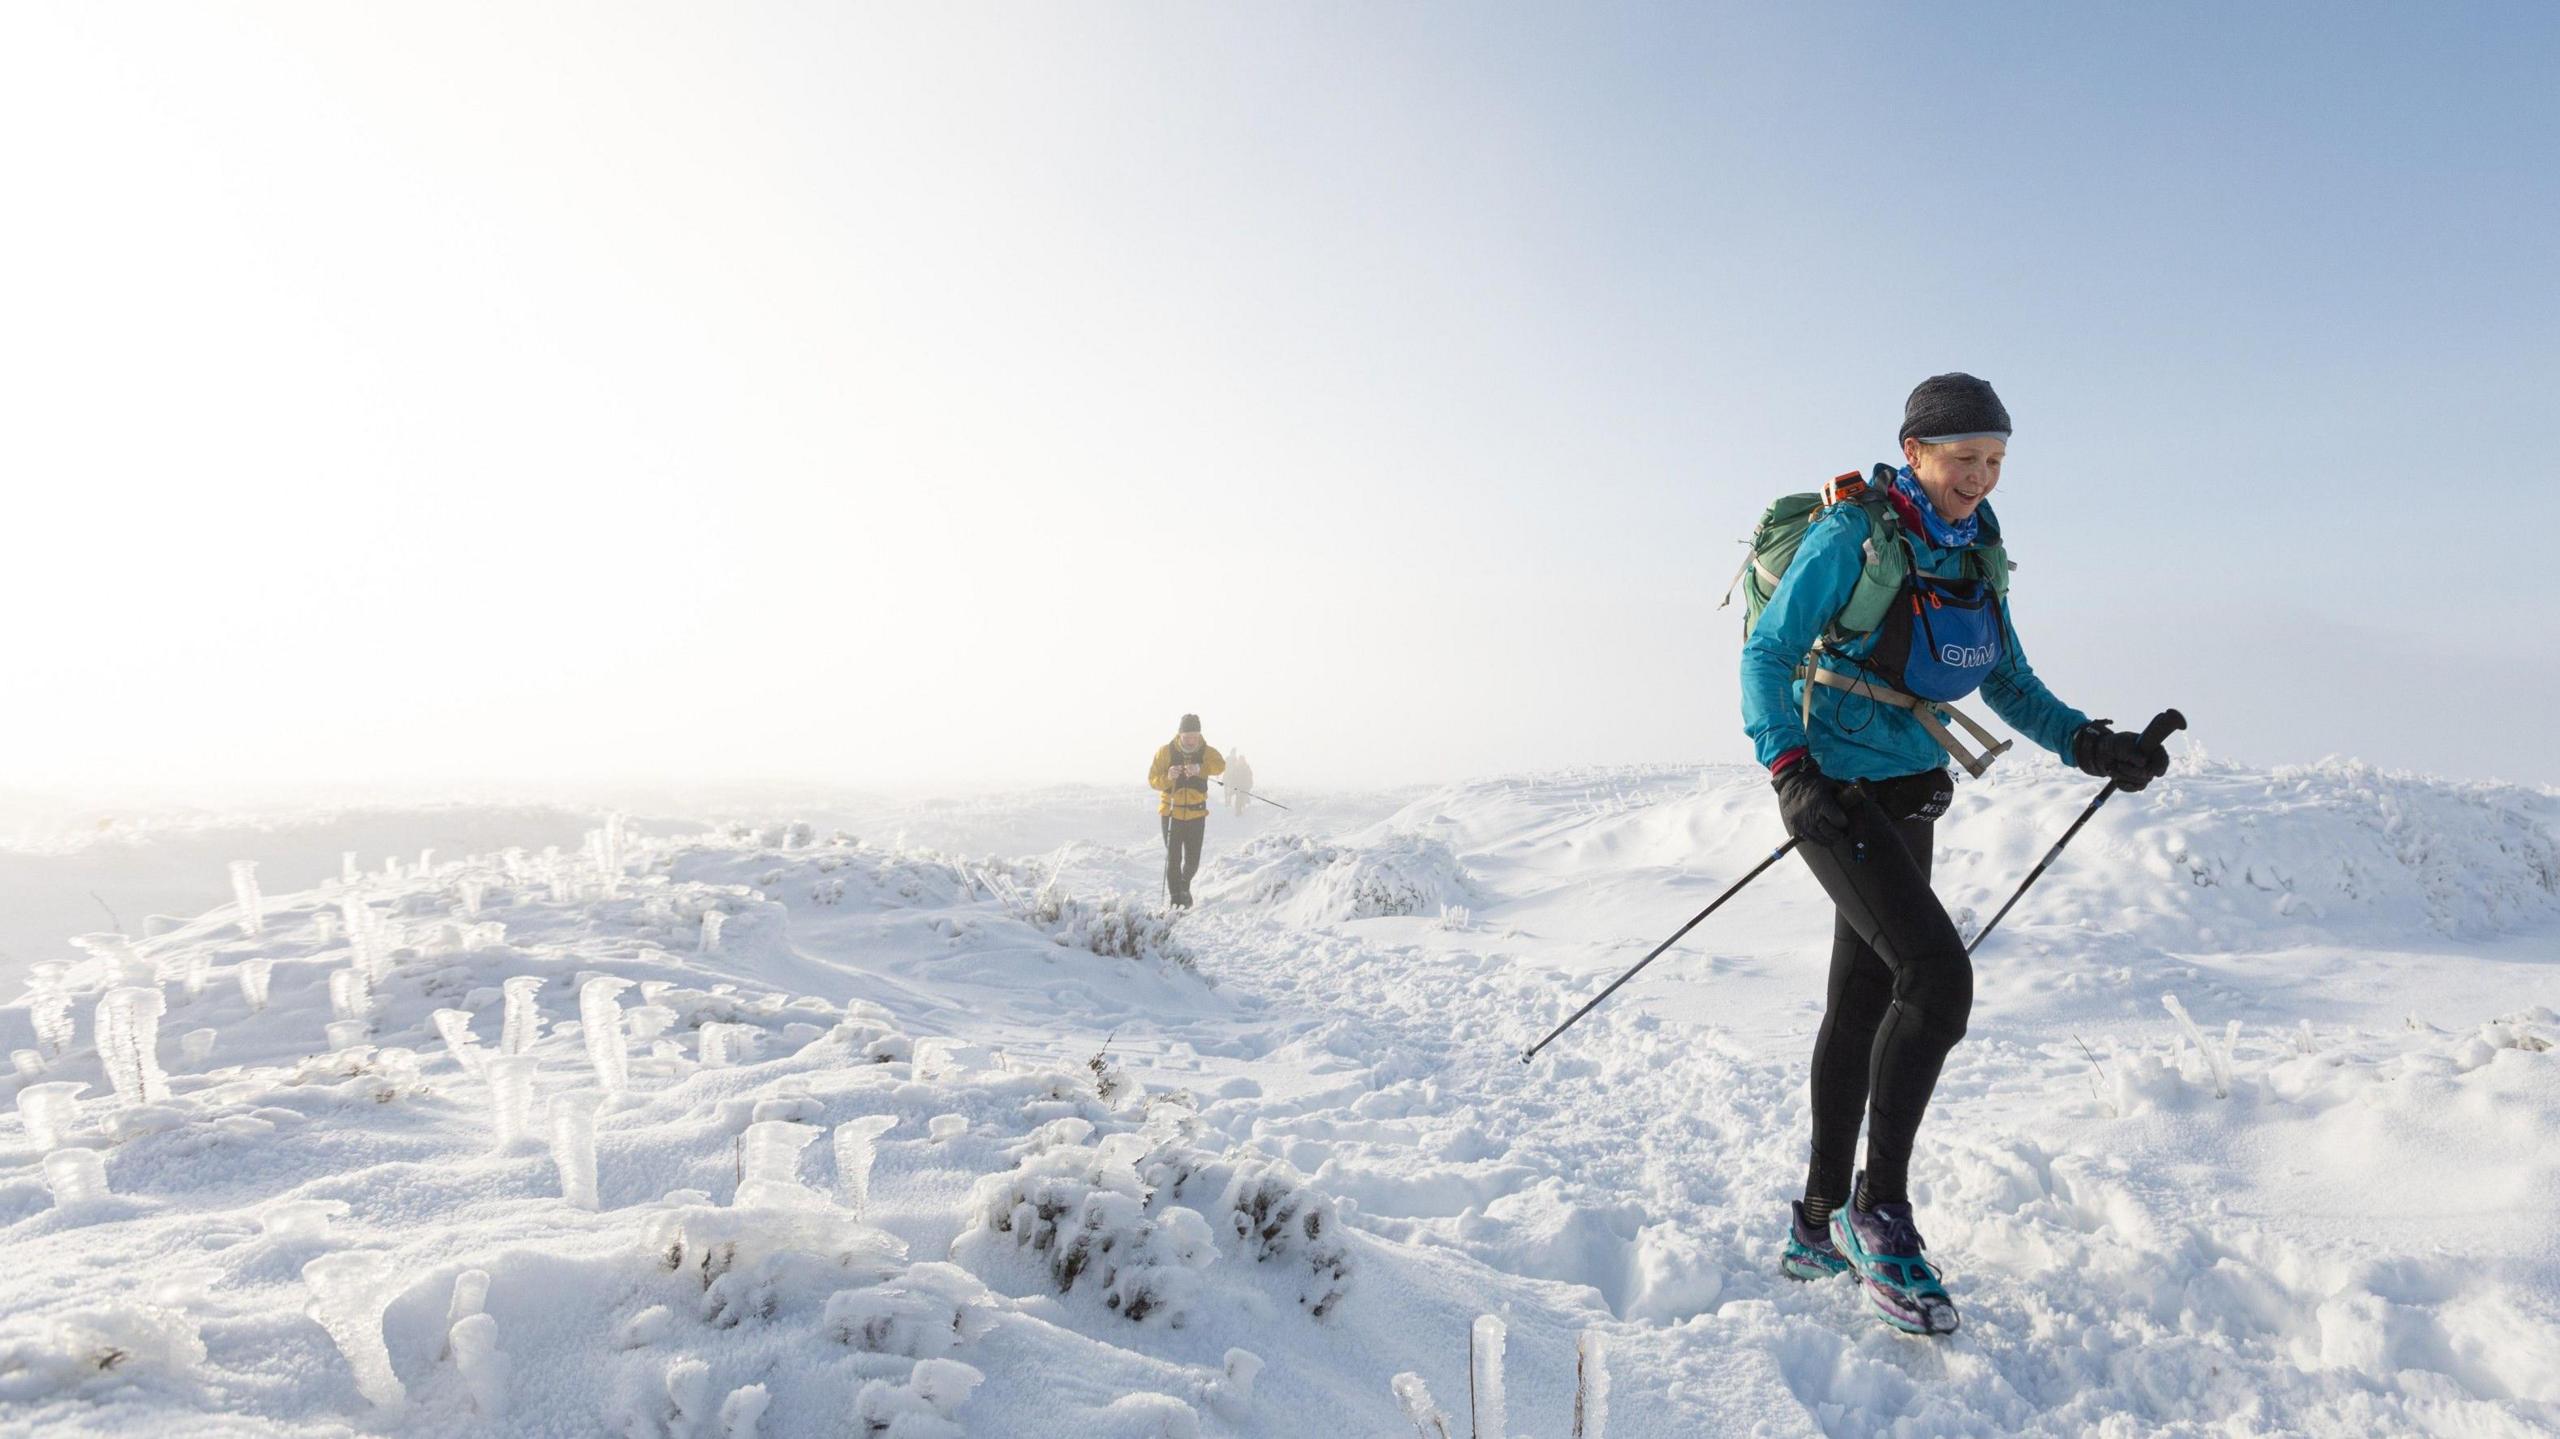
point(1957, 477)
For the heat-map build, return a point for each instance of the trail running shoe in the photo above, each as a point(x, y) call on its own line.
point(1883, 1246)
point(1810, 1252)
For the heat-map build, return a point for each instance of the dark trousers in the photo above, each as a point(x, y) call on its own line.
point(1182, 855)
point(1901, 990)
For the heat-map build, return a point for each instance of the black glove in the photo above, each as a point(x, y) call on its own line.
point(2124, 758)
point(1814, 805)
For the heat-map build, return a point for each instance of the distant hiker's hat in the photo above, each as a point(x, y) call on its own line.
point(1190, 725)
point(1951, 407)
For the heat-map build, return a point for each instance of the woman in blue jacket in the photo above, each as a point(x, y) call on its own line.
point(1861, 777)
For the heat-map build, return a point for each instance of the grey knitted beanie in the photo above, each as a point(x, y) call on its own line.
point(1951, 407)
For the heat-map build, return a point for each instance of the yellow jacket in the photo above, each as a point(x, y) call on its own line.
point(1184, 780)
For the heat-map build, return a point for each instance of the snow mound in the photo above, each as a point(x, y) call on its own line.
point(1304, 880)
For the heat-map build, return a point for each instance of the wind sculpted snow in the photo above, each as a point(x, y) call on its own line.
point(1091, 1171)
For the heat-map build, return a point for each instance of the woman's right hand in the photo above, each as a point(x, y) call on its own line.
point(1813, 805)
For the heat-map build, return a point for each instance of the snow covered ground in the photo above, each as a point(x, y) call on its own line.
point(726, 1128)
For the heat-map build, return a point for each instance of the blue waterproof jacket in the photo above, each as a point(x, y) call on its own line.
point(1852, 736)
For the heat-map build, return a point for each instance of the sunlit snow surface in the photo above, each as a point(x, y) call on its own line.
point(1091, 1173)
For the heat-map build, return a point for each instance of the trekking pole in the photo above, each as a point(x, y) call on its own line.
point(1774, 856)
point(2163, 725)
point(1249, 794)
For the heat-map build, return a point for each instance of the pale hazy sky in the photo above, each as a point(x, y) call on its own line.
point(961, 392)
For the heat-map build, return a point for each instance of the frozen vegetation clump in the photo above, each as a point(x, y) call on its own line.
point(1115, 926)
point(1121, 1215)
point(927, 1312)
point(926, 1406)
point(1314, 881)
point(112, 1344)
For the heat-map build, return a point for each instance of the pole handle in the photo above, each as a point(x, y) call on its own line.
point(2163, 725)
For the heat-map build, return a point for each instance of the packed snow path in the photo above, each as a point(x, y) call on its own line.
point(1297, 1135)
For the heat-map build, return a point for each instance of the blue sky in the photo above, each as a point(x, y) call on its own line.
point(946, 393)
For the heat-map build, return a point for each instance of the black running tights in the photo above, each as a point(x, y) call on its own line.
point(1901, 989)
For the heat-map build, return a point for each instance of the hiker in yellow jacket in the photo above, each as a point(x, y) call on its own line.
point(1181, 774)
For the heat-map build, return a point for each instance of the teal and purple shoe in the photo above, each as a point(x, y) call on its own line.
point(1883, 1246)
point(1810, 1252)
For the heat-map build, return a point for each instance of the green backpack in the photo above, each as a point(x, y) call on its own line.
point(1783, 527)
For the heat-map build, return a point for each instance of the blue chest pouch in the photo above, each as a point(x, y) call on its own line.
point(1941, 639)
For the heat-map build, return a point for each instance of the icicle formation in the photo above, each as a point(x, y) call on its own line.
point(346, 1034)
point(769, 1158)
point(573, 1147)
point(50, 1009)
point(349, 996)
point(610, 854)
point(474, 889)
point(600, 1022)
point(26, 1062)
point(2214, 1059)
point(723, 1045)
point(129, 1043)
point(196, 1045)
point(78, 1179)
point(49, 1110)
point(712, 922)
point(857, 1145)
point(1591, 1388)
point(511, 1097)
point(194, 968)
point(1414, 1397)
point(254, 975)
point(743, 1410)
point(244, 888)
point(470, 1296)
point(398, 1067)
point(324, 925)
point(474, 1340)
point(360, 933)
point(117, 959)
point(524, 1020)
point(455, 1026)
point(1484, 1387)
point(648, 1021)
point(347, 1298)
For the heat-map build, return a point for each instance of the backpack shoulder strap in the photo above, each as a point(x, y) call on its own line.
point(1888, 563)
